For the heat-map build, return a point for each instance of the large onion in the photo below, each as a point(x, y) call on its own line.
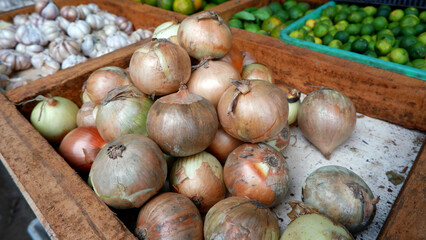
point(159, 67)
point(326, 118)
point(200, 178)
point(240, 218)
point(169, 216)
point(211, 80)
point(128, 171)
point(253, 110)
point(182, 123)
point(257, 171)
point(122, 111)
point(235, 58)
point(257, 71)
point(342, 195)
point(205, 34)
point(222, 145)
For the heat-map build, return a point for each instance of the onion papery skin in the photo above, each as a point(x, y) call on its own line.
point(80, 147)
point(85, 116)
point(159, 67)
point(128, 171)
point(255, 116)
point(280, 141)
point(326, 118)
point(167, 30)
point(223, 144)
point(240, 218)
point(257, 71)
point(200, 178)
point(257, 171)
point(183, 123)
point(341, 195)
point(212, 79)
point(123, 111)
point(235, 58)
point(169, 216)
point(103, 80)
point(205, 34)
point(54, 118)
point(248, 58)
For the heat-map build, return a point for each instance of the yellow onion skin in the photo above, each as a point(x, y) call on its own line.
point(222, 145)
point(128, 171)
point(85, 115)
point(257, 171)
point(326, 118)
point(123, 111)
point(256, 115)
point(240, 218)
point(205, 34)
point(169, 216)
point(280, 141)
point(183, 123)
point(200, 178)
point(212, 79)
point(341, 195)
point(159, 67)
point(257, 71)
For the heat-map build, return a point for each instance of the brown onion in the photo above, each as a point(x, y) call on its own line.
point(169, 216)
point(253, 110)
point(159, 67)
point(211, 80)
point(235, 58)
point(200, 178)
point(240, 218)
point(86, 116)
point(257, 171)
point(223, 144)
point(326, 118)
point(280, 141)
point(257, 71)
point(128, 171)
point(248, 58)
point(103, 80)
point(182, 123)
point(205, 34)
point(81, 146)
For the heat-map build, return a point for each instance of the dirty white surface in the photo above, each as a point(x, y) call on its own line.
point(374, 148)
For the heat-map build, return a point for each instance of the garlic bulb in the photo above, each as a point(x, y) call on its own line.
point(104, 51)
point(78, 29)
point(109, 18)
point(83, 10)
point(101, 35)
point(36, 19)
point(139, 34)
point(4, 24)
point(52, 30)
point(124, 25)
point(46, 9)
point(5, 68)
point(110, 29)
point(70, 13)
point(29, 49)
point(46, 63)
point(72, 60)
point(63, 23)
point(16, 60)
point(20, 19)
point(95, 21)
point(92, 45)
point(93, 7)
point(62, 48)
point(118, 40)
point(29, 34)
point(7, 38)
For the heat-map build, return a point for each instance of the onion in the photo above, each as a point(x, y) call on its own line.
point(326, 118)
point(128, 171)
point(182, 123)
point(167, 30)
point(86, 116)
point(280, 141)
point(341, 195)
point(252, 110)
point(240, 218)
point(257, 171)
point(169, 216)
point(211, 80)
point(122, 111)
point(54, 117)
point(103, 80)
point(293, 99)
point(200, 178)
point(80, 147)
point(235, 58)
point(257, 71)
point(248, 58)
point(205, 34)
point(223, 144)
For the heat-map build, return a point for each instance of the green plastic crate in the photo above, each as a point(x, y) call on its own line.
point(375, 62)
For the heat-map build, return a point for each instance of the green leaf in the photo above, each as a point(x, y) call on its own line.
point(262, 14)
point(243, 15)
point(251, 9)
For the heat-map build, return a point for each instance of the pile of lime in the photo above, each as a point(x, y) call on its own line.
point(186, 7)
point(395, 35)
point(270, 20)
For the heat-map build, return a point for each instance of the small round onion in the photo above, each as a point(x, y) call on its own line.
point(211, 80)
point(235, 58)
point(128, 171)
point(103, 80)
point(240, 218)
point(86, 116)
point(182, 123)
point(253, 110)
point(257, 71)
point(205, 34)
point(80, 147)
point(326, 118)
point(293, 99)
point(257, 171)
point(341, 195)
point(159, 67)
point(169, 216)
point(223, 144)
point(200, 178)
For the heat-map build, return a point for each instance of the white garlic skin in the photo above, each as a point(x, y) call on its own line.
point(139, 35)
point(20, 19)
point(93, 7)
point(52, 30)
point(110, 29)
point(73, 60)
point(29, 34)
point(36, 19)
point(46, 63)
point(78, 29)
point(46, 9)
point(62, 48)
point(118, 40)
point(70, 13)
point(124, 25)
point(7, 38)
point(29, 49)
point(95, 21)
point(83, 10)
point(16, 60)
point(92, 45)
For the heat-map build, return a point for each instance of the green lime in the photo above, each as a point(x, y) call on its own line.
point(374, 38)
point(367, 20)
point(346, 46)
point(420, 28)
point(311, 34)
point(396, 30)
point(275, 7)
point(340, 17)
point(332, 32)
point(370, 11)
point(371, 45)
point(396, 15)
point(267, 9)
point(310, 23)
point(165, 4)
point(335, 44)
point(417, 50)
point(352, 39)
point(295, 12)
point(320, 30)
point(355, 17)
point(390, 38)
point(270, 23)
point(307, 29)
point(277, 30)
point(419, 63)
point(304, 6)
point(422, 16)
point(183, 6)
point(263, 32)
point(209, 5)
point(282, 15)
point(409, 21)
point(367, 29)
point(393, 24)
point(297, 34)
point(354, 29)
point(236, 23)
point(343, 36)
point(384, 58)
point(370, 53)
point(327, 39)
point(399, 55)
point(309, 38)
point(382, 13)
point(385, 7)
point(367, 37)
point(326, 20)
point(353, 7)
point(380, 23)
point(342, 25)
point(329, 12)
point(412, 10)
point(422, 38)
point(362, 12)
point(360, 45)
point(408, 31)
point(289, 3)
point(383, 47)
point(383, 32)
point(408, 41)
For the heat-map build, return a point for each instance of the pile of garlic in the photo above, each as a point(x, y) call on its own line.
point(50, 39)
